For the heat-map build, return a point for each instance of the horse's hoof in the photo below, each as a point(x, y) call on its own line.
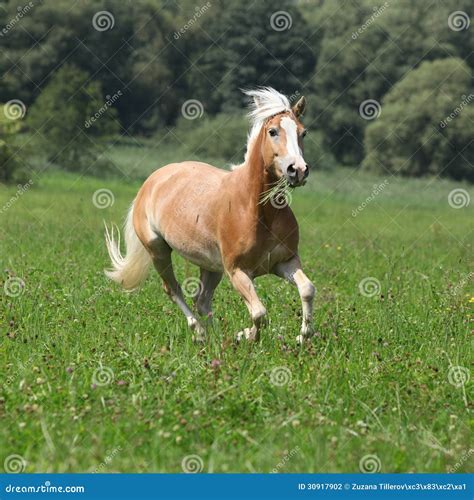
point(199, 332)
point(250, 334)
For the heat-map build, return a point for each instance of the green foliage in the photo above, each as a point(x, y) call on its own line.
point(250, 52)
point(366, 47)
point(222, 136)
point(70, 117)
point(12, 169)
point(426, 124)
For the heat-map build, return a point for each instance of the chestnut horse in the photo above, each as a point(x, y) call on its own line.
point(230, 222)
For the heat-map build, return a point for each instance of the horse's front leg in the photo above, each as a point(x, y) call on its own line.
point(245, 287)
point(291, 271)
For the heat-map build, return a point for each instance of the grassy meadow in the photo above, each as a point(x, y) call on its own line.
point(94, 379)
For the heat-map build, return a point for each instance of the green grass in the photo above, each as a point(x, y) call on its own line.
point(373, 381)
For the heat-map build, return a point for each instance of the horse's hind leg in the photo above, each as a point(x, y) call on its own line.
point(209, 281)
point(164, 266)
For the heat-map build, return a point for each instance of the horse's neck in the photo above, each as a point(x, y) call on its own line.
point(255, 181)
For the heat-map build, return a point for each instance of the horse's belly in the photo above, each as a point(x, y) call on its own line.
point(207, 260)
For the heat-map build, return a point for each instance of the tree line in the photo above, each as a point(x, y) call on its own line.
point(388, 85)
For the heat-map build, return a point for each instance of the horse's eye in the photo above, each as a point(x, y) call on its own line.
point(273, 132)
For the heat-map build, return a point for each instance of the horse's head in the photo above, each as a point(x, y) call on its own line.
point(282, 145)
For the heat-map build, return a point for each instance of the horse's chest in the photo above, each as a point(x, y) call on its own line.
point(273, 253)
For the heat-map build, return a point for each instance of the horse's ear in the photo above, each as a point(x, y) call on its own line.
point(299, 107)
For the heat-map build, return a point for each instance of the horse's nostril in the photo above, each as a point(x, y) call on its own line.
point(306, 171)
point(291, 169)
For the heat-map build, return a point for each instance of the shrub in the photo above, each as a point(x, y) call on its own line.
point(426, 124)
point(71, 118)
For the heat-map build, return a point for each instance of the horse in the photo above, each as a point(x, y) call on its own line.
point(230, 222)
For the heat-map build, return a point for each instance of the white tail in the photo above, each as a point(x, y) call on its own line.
point(130, 271)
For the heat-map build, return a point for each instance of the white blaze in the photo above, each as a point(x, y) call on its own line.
point(289, 126)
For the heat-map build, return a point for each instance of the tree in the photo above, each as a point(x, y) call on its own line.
point(425, 125)
point(367, 46)
point(71, 116)
point(264, 43)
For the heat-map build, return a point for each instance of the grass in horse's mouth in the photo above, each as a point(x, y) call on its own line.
point(279, 187)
